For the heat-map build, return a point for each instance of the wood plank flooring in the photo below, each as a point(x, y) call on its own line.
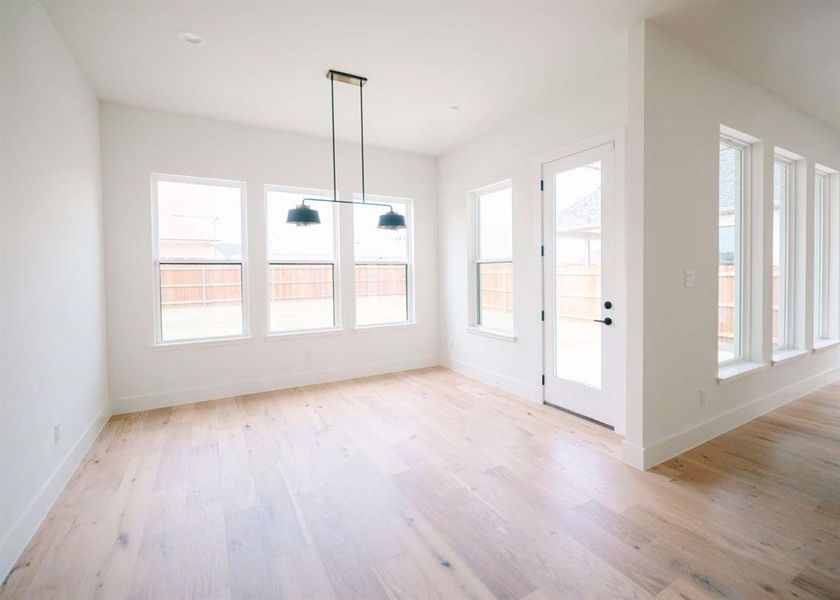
point(427, 484)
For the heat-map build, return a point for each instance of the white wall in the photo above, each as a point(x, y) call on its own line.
point(136, 143)
point(53, 326)
point(515, 151)
point(678, 101)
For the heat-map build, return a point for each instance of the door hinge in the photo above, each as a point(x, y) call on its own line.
point(542, 315)
point(542, 185)
point(543, 379)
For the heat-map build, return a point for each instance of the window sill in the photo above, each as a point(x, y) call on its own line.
point(499, 335)
point(783, 356)
point(738, 370)
point(825, 344)
point(386, 326)
point(229, 341)
point(306, 333)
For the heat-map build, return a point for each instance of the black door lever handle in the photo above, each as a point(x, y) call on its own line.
point(607, 321)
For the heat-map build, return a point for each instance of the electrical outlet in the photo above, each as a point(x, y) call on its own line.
point(57, 433)
point(689, 279)
point(703, 400)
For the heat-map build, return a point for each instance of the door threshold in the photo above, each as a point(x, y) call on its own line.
point(580, 416)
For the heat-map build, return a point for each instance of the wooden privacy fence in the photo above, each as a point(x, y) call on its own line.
point(578, 287)
point(496, 285)
point(189, 285)
point(381, 280)
point(726, 303)
point(579, 294)
point(202, 285)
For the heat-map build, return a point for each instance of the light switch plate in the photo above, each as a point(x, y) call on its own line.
point(689, 279)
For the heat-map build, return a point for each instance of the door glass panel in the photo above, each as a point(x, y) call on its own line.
point(577, 206)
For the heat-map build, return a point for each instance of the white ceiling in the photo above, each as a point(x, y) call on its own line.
point(264, 62)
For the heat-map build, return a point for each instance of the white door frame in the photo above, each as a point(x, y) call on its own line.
point(616, 136)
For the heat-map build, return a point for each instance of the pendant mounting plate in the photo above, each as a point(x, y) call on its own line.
point(346, 77)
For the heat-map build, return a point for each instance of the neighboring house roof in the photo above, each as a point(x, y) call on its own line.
point(586, 211)
point(583, 214)
point(227, 250)
point(727, 192)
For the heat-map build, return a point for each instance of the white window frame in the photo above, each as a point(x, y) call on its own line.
point(826, 258)
point(410, 318)
point(741, 327)
point(822, 257)
point(787, 258)
point(291, 260)
point(155, 179)
point(474, 262)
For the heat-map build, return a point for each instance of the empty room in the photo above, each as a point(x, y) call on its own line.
point(368, 300)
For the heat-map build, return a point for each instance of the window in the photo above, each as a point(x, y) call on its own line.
point(301, 264)
point(733, 165)
point(199, 258)
point(493, 252)
point(783, 253)
point(823, 231)
point(383, 265)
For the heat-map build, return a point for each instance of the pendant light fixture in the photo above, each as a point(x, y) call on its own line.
point(304, 215)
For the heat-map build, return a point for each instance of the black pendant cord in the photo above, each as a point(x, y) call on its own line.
point(362, 123)
point(335, 199)
point(332, 113)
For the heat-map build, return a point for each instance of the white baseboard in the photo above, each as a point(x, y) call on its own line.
point(16, 540)
point(692, 437)
point(131, 404)
point(633, 455)
point(532, 393)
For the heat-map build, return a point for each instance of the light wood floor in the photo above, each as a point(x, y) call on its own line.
point(429, 485)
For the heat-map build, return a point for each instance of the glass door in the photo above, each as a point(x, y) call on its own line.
point(580, 323)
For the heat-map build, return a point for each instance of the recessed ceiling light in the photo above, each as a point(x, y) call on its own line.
point(454, 107)
point(188, 37)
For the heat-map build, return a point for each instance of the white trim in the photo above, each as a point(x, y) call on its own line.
point(21, 532)
point(783, 356)
point(242, 186)
point(788, 311)
point(386, 326)
point(304, 192)
point(742, 308)
point(617, 136)
point(826, 273)
point(787, 155)
point(411, 316)
point(738, 369)
point(230, 389)
point(531, 393)
point(204, 342)
point(692, 437)
point(606, 403)
point(492, 333)
point(473, 244)
point(633, 455)
point(824, 344)
point(303, 333)
point(740, 137)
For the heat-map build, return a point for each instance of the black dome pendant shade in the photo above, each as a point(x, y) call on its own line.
point(303, 215)
point(391, 220)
